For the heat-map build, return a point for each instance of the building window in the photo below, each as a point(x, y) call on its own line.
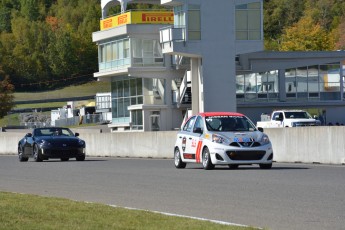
point(137, 119)
point(308, 83)
point(194, 22)
point(114, 55)
point(248, 21)
point(125, 92)
point(146, 52)
point(179, 16)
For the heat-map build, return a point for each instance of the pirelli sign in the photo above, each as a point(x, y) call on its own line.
point(138, 17)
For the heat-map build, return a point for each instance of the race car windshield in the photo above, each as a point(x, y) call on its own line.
point(229, 124)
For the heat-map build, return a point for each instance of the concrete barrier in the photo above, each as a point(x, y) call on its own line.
point(324, 144)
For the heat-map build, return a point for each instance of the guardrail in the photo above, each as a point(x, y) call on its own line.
point(323, 144)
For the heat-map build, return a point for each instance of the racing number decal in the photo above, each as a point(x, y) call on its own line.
point(198, 152)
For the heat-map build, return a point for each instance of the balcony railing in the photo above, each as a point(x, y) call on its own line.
point(172, 34)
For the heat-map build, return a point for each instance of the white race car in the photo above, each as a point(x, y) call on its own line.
point(222, 138)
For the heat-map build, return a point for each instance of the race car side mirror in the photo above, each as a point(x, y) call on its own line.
point(28, 135)
point(76, 134)
point(261, 129)
point(197, 130)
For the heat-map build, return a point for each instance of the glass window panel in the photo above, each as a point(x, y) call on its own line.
point(313, 78)
point(133, 87)
point(137, 47)
point(243, 6)
point(140, 117)
point(194, 35)
point(121, 109)
point(139, 87)
point(157, 49)
point(240, 84)
point(254, 35)
point(102, 53)
point(126, 88)
point(290, 81)
point(115, 56)
point(134, 117)
point(254, 19)
point(301, 78)
point(126, 48)
point(114, 108)
point(140, 100)
point(241, 20)
point(108, 52)
point(126, 103)
point(114, 89)
point(254, 5)
point(241, 35)
point(120, 88)
point(120, 48)
point(133, 100)
point(194, 20)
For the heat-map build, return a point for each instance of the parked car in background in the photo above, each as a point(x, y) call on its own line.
point(53, 142)
point(287, 118)
point(222, 138)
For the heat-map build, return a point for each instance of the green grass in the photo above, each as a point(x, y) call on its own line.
point(12, 119)
point(87, 89)
point(20, 211)
point(41, 105)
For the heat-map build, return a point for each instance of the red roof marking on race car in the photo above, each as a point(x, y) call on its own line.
point(198, 150)
point(212, 114)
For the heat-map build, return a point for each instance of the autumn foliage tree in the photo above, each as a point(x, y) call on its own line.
point(305, 35)
point(6, 96)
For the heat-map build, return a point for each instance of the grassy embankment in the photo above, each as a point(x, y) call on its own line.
point(68, 92)
point(20, 211)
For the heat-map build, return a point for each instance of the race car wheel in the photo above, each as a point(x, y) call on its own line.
point(266, 166)
point(37, 154)
point(20, 154)
point(206, 159)
point(178, 161)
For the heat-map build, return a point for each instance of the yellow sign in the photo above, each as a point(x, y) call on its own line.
point(138, 17)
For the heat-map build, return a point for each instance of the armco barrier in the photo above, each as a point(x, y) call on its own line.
point(324, 144)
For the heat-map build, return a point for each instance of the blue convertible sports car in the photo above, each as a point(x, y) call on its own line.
point(54, 142)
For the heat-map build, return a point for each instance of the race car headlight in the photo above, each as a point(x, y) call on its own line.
point(219, 139)
point(45, 143)
point(265, 140)
point(81, 143)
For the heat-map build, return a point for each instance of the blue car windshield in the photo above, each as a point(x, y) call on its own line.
point(229, 124)
point(53, 132)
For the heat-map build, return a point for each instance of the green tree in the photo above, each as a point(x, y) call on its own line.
point(278, 14)
point(306, 36)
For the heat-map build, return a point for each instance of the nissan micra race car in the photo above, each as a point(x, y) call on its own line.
point(222, 138)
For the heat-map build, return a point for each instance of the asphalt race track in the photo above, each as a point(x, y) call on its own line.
point(289, 196)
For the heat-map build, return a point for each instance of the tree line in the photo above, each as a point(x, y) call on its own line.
point(304, 25)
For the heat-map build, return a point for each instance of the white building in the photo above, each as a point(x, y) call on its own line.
point(206, 55)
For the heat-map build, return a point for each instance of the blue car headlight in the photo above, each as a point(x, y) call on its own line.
point(45, 143)
point(81, 143)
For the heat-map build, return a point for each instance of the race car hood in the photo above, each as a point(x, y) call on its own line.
point(243, 136)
